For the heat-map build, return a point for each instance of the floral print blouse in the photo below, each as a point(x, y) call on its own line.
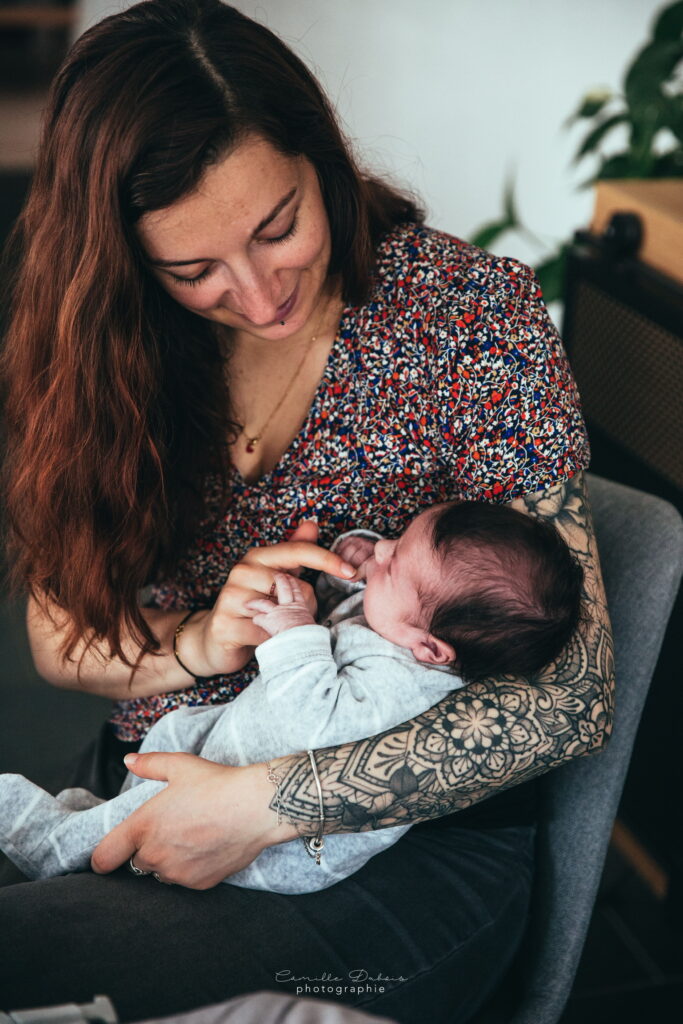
point(451, 381)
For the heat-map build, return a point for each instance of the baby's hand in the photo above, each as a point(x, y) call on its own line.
point(356, 551)
point(289, 611)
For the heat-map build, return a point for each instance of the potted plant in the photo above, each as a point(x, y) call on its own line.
point(651, 102)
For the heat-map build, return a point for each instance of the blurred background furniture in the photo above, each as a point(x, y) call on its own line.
point(640, 538)
point(34, 37)
point(623, 329)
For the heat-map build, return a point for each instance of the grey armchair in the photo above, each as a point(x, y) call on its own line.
point(640, 539)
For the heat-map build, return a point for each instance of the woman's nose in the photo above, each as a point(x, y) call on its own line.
point(251, 295)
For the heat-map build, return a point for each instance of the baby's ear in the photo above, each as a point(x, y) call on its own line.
point(432, 651)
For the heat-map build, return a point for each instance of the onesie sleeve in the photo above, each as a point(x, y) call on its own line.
point(509, 416)
point(324, 687)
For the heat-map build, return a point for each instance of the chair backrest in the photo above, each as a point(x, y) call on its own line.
point(640, 539)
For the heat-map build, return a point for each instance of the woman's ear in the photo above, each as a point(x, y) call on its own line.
point(432, 651)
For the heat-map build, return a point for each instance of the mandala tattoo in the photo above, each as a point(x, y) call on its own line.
point(481, 739)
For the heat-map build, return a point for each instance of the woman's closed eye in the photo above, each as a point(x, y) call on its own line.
point(291, 230)
point(195, 280)
point(192, 281)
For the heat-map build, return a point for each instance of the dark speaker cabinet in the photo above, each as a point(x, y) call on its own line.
point(623, 330)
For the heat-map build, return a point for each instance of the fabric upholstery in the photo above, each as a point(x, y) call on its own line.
point(640, 539)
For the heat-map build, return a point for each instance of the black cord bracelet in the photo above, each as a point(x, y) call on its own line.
point(176, 636)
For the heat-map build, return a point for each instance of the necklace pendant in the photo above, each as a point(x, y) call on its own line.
point(251, 443)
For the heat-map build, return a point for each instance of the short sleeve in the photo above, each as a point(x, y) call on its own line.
point(509, 412)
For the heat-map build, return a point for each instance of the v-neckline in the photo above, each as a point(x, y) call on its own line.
point(298, 440)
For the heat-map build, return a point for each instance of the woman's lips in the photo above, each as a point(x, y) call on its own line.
point(282, 312)
point(286, 308)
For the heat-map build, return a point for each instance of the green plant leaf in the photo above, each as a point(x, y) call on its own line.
point(509, 203)
point(551, 274)
point(487, 234)
point(674, 116)
point(591, 104)
point(595, 136)
point(643, 133)
point(620, 165)
point(668, 165)
point(669, 24)
point(654, 64)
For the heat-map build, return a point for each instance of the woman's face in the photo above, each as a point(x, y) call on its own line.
point(250, 247)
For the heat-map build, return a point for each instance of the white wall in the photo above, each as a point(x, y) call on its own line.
point(450, 95)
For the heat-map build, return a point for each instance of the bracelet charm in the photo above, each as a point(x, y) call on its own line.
point(276, 780)
point(314, 847)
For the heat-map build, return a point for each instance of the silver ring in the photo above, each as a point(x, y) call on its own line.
point(134, 869)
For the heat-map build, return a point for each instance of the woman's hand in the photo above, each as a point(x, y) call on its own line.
point(210, 821)
point(222, 639)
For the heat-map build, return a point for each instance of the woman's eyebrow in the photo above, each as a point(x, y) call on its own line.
point(277, 209)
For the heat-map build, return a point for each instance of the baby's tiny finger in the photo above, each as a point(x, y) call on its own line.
point(262, 622)
point(297, 591)
point(284, 584)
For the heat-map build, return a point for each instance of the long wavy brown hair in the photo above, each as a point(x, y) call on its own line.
point(116, 406)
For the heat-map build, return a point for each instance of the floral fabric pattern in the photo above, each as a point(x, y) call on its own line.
point(451, 381)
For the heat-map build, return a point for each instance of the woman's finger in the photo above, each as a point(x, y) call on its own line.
point(294, 553)
point(124, 841)
point(250, 575)
point(264, 606)
point(233, 601)
point(306, 530)
point(117, 847)
point(160, 765)
point(232, 621)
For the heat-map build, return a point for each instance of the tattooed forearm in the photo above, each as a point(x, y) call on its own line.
point(485, 737)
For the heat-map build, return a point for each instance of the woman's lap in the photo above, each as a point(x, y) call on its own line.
point(443, 910)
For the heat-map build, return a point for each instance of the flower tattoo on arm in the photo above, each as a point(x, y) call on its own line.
point(485, 737)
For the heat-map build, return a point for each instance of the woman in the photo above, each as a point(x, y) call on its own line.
point(220, 331)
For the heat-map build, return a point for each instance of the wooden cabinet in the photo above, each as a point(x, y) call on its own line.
point(659, 206)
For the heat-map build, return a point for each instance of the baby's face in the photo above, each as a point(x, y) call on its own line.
point(398, 573)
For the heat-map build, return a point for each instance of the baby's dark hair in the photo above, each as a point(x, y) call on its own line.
point(516, 599)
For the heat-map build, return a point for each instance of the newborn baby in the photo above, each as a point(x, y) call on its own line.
point(469, 590)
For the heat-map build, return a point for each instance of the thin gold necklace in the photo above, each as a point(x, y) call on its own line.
point(253, 441)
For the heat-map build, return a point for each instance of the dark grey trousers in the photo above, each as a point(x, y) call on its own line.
point(423, 932)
